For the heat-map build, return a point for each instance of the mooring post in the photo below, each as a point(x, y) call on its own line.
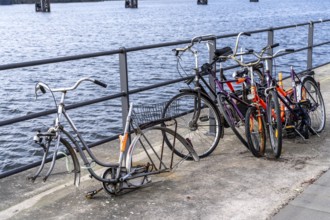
point(42, 6)
point(270, 51)
point(310, 45)
point(202, 2)
point(131, 3)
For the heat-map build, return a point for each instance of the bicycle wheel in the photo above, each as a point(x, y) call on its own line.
point(149, 154)
point(255, 131)
point(233, 120)
point(316, 111)
point(274, 123)
point(200, 126)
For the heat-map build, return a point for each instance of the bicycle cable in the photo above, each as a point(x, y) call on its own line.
point(52, 95)
point(178, 67)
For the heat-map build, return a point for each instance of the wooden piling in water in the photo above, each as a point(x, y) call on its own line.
point(42, 6)
point(202, 2)
point(131, 3)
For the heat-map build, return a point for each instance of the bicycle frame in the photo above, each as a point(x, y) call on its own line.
point(284, 95)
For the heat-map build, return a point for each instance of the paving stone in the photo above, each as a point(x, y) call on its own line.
point(314, 197)
point(292, 212)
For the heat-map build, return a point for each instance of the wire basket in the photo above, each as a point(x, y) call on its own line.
point(144, 114)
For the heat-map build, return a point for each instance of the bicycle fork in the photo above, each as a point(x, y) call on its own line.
point(38, 138)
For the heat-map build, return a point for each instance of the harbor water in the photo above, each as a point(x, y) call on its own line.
point(78, 28)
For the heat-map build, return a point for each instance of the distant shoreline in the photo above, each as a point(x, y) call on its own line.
point(8, 2)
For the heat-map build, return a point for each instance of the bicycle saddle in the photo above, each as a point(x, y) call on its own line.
point(223, 51)
point(241, 73)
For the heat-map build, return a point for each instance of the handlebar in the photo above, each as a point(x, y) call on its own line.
point(43, 87)
point(197, 39)
point(237, 40)
point(260, 56)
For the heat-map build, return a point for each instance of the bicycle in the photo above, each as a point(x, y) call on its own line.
point(294, 108)
point(302, 106)
point(264, 105)
point(200, 119)
point(234, 104)
point(145, 156)
point(202, 92)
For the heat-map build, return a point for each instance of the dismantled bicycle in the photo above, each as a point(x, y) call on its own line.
point(147, 154)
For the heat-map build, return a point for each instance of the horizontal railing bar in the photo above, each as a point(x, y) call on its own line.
point(48, 112)
point(318, 66)
point(132, 49)
point(58, 59)
point(321, 44)
point(133, 91)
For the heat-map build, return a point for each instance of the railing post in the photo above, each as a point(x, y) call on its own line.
point(270, 51)
point(212, 45)
point(310, 45)
point(124, 84)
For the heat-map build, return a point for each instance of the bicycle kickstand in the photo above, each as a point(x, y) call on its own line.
point(91, 194)
point(314, 131)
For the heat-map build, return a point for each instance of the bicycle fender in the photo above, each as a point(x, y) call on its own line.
point(187, 90)
point(311, 78)
point(309, 75)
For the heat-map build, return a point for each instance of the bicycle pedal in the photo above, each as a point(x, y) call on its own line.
point(204, 118)
point(289, 127)
point(304, 102)
point(91, 194)
point(141, 168)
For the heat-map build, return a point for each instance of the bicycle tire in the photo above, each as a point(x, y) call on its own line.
point(274, 123)
point(148, 153)
point(229, 113)
point(255, 132)
point(203, 136)
point(316, 111)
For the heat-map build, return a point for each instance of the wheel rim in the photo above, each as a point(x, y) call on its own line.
point(203, 132)
point(273, 126)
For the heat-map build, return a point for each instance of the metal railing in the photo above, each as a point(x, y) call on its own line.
point(123, 71)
